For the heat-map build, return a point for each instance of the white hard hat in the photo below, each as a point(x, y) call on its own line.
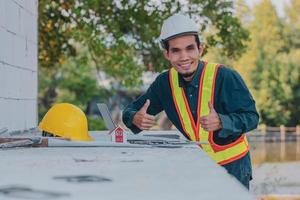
point(177, 25)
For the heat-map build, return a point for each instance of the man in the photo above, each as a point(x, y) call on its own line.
point(207, 102)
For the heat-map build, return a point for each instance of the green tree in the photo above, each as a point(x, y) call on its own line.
point(244, 63)
point(118, 38)
point(267, 44)
point(291, 59)
point(270, 64)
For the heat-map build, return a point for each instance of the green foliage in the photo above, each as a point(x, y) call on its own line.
point(96, 124)
point(53, 35)
point(270, 65)
point(274, 89)
point(74, 82)
point(77, 83)
point(80, 39)
point(104, 25)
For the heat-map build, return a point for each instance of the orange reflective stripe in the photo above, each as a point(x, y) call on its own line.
point(224, 162)
point(217, 147)
point(230, 153)
point(180, 105)
point(199, 101)
point(206, 89)
point(222, 154)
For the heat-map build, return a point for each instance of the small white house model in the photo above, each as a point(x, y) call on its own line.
point(118, 135)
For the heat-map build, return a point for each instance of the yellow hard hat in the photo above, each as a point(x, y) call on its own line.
point(66, 120)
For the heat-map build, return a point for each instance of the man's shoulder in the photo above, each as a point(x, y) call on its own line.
point(163, 76)
point(225, 71)
point(229, 76)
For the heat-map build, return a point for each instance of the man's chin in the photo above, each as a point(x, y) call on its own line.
point(187, 74)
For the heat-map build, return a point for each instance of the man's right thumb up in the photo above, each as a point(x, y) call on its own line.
point(145, 106)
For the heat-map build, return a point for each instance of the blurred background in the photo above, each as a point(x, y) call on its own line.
point(106, 51)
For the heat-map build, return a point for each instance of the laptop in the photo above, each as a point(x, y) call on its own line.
point(109, 123)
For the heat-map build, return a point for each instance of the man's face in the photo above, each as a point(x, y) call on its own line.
point(183, 54)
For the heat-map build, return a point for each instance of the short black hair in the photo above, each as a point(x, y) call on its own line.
point(166, 43)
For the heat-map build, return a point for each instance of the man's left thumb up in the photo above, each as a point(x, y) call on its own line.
point(211, 107)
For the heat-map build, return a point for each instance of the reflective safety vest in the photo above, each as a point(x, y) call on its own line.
point(222, 154)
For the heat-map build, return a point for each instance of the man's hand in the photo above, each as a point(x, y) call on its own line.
point(211, 122)
point(143, 120)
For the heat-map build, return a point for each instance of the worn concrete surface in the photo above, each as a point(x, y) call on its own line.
point(114, 173)
point(276, 179)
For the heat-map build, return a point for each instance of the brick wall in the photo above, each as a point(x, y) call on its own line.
point(18, 64)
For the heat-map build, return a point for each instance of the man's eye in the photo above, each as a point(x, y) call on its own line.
point(191, 48)
point(175, 50)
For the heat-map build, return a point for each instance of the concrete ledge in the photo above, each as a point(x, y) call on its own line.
point(119, 173)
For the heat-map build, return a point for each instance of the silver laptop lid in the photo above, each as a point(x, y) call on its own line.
point(106, 116)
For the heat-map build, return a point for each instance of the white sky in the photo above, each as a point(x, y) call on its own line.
point(278, 3)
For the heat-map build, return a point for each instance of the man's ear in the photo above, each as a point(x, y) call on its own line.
point(166, 54)
point(201, 49)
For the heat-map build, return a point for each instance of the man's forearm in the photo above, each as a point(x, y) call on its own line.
point(238, 123)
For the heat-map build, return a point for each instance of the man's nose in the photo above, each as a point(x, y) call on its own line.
point(184, 55)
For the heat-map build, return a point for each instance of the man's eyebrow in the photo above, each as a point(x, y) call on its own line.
point(190, 46)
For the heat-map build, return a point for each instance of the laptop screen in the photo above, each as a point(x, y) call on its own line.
point(106, 116)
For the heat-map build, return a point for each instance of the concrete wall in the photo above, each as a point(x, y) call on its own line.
point(18, 64)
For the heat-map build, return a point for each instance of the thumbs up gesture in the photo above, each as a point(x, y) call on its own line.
point(143, 120)
point(211, 122)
